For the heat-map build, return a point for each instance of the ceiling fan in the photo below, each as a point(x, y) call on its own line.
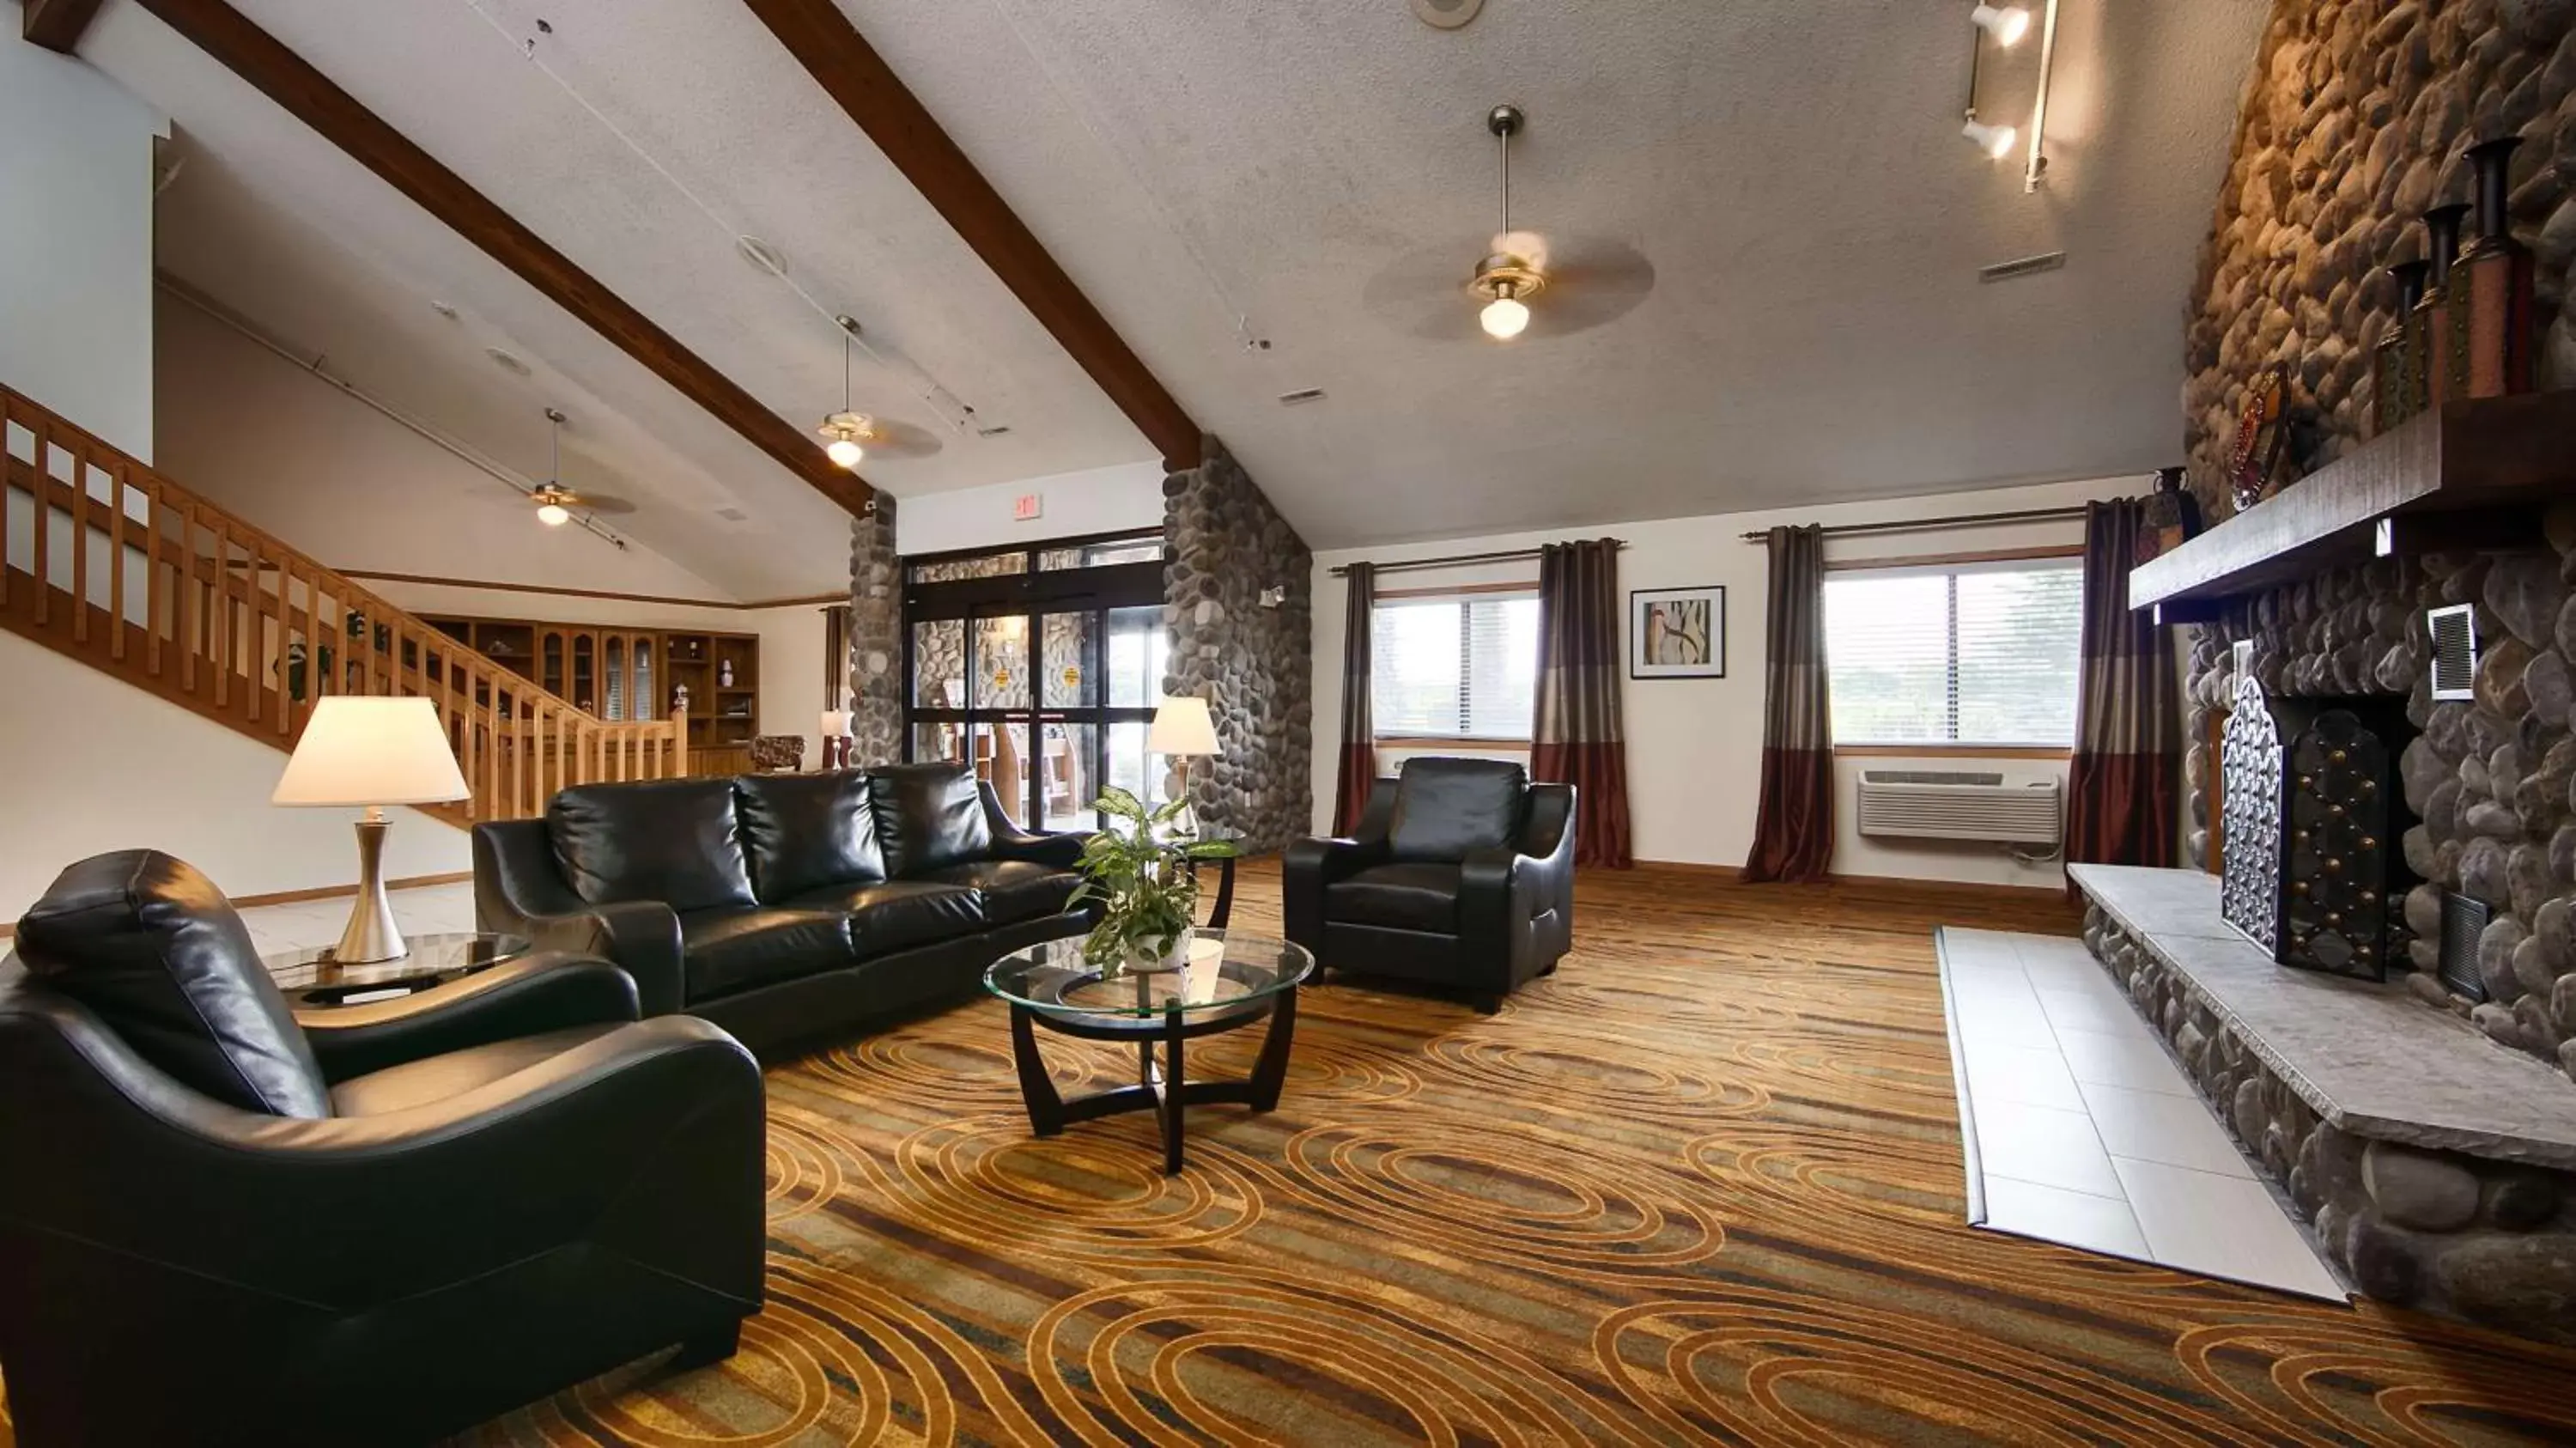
point(1586, 280)
point(853, 435)
point(555, 502)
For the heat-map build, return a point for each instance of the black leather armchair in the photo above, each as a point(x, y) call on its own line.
point(1459, 873)
point(231, 1223)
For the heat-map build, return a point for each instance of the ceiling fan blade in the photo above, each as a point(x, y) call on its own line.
point(1592, 281)
point(1423, 293)
point(893, 438)
point(601, 503)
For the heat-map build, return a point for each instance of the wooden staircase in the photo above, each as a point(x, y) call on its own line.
point(108, 562)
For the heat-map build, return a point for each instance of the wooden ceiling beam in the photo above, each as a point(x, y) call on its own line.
point(58, 25)
point(855, 76)
point(310, 96)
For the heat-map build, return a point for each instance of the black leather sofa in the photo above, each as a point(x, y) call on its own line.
point(229, 1223)
point(1460, 873)
point(783, 907)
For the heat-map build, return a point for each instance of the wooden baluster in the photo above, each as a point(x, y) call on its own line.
point(518, 761)
point(43, 516)
point(192, 604)
point(492, 744)
point(679, 743)
point(153, 600)
point(219, 634)
point(285, 636)
point(116, 561)
point(7, 414)
point(365, 648)
point(80, 549)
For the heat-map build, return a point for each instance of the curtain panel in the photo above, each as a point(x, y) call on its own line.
point(1793, 834)
point(1355, 771)
point(2121, 787)
point(1577, 737)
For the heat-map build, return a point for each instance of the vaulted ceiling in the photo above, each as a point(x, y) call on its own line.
point(1235, 187)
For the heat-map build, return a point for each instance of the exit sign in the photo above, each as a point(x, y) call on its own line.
point(1027, 506)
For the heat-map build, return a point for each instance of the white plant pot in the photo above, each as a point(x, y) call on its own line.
point(1175, 959)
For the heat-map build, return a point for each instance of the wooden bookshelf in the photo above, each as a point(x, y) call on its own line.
point(628, 672)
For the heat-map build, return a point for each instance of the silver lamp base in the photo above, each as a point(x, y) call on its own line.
point(372, 935)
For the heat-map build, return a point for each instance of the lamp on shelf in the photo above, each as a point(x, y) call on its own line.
point(1182, 731)
point(836, 739)
point(371, 752)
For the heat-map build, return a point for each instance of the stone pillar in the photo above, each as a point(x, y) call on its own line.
point(876, 638)
point(1251, 660)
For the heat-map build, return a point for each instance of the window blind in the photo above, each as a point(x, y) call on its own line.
point(1455, 668)
point(1973, 654)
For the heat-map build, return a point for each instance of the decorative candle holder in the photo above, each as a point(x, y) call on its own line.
point(2490, 301)
point(2438, 356)
point(2395, 388)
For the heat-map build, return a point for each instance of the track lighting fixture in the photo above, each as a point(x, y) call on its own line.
point(845, 427)
point(1995, 141)
point(2007, 24)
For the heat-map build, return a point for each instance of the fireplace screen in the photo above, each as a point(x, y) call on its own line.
point(2312, 872)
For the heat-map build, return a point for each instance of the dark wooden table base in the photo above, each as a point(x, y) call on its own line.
point(1160, 1088)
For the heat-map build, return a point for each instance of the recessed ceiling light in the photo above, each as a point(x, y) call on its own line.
point(761, 255)
point(444, 309)
point(506, 361)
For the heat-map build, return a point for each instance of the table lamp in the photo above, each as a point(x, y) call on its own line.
point(1182, 731)
point(371, 752)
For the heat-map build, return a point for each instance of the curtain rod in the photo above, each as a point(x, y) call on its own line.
point(1460, 559)
point(1925, 525)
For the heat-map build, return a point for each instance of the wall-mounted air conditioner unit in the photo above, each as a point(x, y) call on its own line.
point(1940, 804)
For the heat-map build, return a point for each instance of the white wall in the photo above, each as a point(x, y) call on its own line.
point(1695, 745)
point(1096, 500)
point(76, 242)
point(341, 482)
point(792, 698)
point(102, 765)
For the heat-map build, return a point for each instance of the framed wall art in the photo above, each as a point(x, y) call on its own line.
point(1677, 633)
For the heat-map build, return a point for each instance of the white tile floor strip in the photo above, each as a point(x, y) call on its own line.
point(2085, 1132)
point(312, 924)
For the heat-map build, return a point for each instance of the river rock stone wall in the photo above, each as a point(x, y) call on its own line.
point(1251, 660)
point(2490, 1241)
point(876, 638)
point(2352, 124)
point(2493, 779)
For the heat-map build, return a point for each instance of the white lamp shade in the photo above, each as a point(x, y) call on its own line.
point(836, 722)
point(1182, 726)
point(369, 751)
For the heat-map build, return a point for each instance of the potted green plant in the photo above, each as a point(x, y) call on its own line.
point(1138, 868)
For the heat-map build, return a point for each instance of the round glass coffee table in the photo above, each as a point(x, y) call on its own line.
point(1232, 980)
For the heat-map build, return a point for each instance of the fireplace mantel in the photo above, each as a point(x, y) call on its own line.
point(2369, 1059)
point(2441, 479)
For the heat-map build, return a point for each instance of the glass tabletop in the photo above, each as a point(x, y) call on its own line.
point(432, 957)
point(1225, 970)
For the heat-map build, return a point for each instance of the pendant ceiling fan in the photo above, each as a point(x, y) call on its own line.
point(556, 503)
point(1527, 283)
point(850, 436)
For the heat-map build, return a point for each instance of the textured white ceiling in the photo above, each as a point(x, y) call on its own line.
point(1212, 174)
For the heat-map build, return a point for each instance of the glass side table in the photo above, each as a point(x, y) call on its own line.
point(1231, 981)
point(311, 978)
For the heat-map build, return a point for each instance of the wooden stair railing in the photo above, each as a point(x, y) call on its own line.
point(137, 576)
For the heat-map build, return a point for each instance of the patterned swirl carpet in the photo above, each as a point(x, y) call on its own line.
point(1702, 1185)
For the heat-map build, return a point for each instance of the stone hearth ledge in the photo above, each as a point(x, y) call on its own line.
point(2368, 1059)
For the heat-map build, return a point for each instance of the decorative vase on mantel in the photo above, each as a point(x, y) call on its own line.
point(2393, 383)
point(2437, 363)
point(2490, 296)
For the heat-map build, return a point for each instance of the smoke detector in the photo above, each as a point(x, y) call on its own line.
point(1446, 14)
point(761, 255)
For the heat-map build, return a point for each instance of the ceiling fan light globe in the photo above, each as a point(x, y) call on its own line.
point(2007, 24)
point(1995, 141)
point(553, 515)
point(845, 452)
point(1504, 318)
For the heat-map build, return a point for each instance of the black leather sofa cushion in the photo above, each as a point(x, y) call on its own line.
point(731, 950)
point(153, 948)
point(899, 914)
point(673, 840)
point(1446, 809)
point(802, 832)
point(929, 815)
point(1013, 890)
point(437, 1078)
point(1405, 896)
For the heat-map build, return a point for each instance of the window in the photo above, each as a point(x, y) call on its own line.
point(1964, 654)
point(1455, 667)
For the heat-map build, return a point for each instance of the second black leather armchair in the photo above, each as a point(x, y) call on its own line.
point(1459, 873)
